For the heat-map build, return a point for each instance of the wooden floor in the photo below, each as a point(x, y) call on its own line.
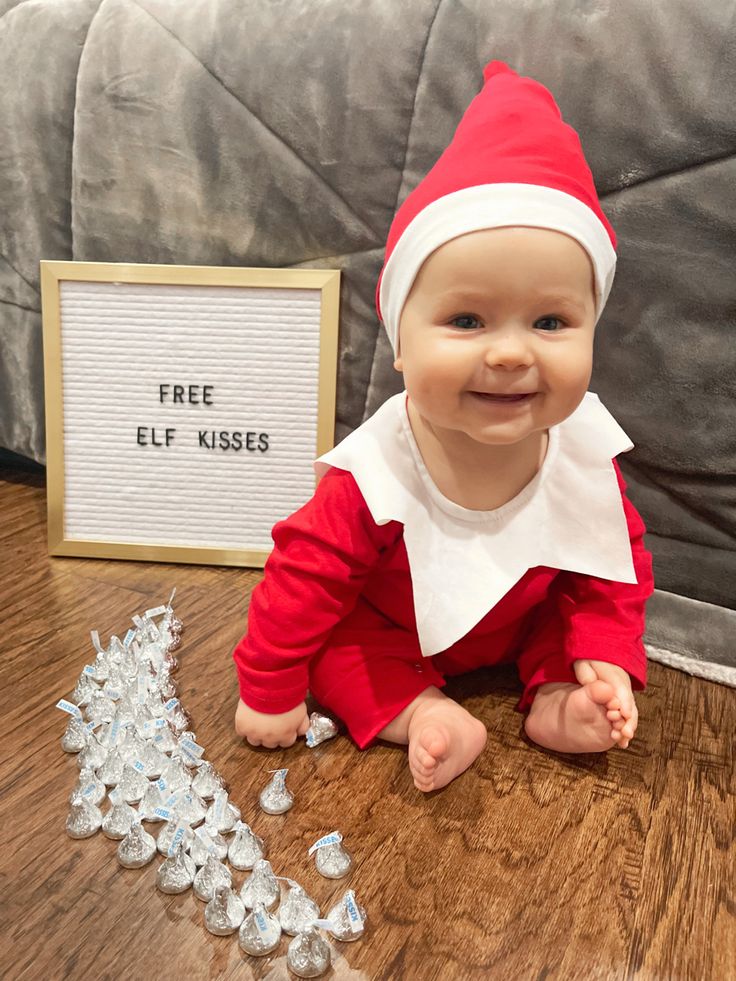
point(532, 865)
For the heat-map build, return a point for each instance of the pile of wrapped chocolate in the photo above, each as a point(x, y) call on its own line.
point(134, 746)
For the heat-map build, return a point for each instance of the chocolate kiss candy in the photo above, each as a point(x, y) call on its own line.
point(84, 690)
point(84, 818)
point(275, 798)
point(100, 708)
point(297, 911)
point(332, 860)
point(308, 955)
point(207, 841)
point(154, 762)
point(118, 820)
point(224, 913)
point(177, 776)
point(207, 781)
point(111, 771)
point(191, 807)
point(260, 932)
point(261, 886)
point(222, 814)
point(212, 874)
point(152, 799)
point(245, 849)
point(75, 737)
point(137, 848)
point(347, 918)
point(125, 711)
point(89, 786)
point(167, 833)
point(133, 784)
point(131, 747)
point(177, 873)
point(93, 755)
point(320, 729)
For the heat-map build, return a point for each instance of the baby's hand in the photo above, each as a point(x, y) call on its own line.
point(262, 729)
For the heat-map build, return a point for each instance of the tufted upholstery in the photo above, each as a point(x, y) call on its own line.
point(285, 133)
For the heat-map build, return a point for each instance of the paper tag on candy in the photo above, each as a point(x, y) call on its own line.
point(116, 796)
point(128, 637)
point(161, 784)
point(171, 704)
point(354, 917)
point(150, 725)
point(191, 748)
point(171, 800)
point(261, 924)
point(88, 670)
point(96, 641)
point(139, 767)
point(204, 837)
point(220, 802)
point(179, 832)
point(69, 707)
point(279, 778)
point(155, 611)
point(88, 790)
point(333, 838)
point(162, 812)
point(91, 726)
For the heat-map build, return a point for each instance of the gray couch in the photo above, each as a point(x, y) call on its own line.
point(239, 132)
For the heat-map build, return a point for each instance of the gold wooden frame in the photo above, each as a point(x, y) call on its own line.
point(52, 273)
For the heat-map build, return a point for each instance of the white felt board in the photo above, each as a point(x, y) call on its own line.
point(257, 351)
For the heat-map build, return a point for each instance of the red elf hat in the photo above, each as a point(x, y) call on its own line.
point(512, 161)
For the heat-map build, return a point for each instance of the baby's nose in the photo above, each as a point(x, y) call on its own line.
point(508, 349)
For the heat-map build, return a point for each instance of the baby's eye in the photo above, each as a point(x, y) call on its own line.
point(466, 321)
point(549, 323)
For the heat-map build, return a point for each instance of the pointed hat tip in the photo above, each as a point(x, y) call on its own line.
point(497, 68)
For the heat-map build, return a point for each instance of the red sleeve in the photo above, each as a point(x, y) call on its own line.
point(588, 617)
point(321, 559)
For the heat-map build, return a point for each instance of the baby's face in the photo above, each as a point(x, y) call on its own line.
point(500, 311)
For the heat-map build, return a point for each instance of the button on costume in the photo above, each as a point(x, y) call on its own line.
point(380, 586)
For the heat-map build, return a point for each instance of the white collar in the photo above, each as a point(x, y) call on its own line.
point(570, 516)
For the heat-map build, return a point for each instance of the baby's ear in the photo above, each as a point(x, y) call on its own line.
point(399, 364)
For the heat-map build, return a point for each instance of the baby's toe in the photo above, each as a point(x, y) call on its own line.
point(613, 714)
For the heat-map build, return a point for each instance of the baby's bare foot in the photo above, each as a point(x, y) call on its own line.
point(572, 718)
point(444, 739)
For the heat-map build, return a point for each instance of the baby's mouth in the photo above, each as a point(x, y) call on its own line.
point(493, 397)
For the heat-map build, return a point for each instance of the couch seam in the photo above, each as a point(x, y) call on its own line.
point(83, 49)
point(664, 174)
point(401, 181)
point(364, 225)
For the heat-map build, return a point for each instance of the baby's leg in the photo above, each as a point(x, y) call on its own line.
point(443, 738)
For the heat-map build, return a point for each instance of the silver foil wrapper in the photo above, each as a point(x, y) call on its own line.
point(93, 754)
point(152, 799)
point(89, 786)
point(176, 874)
point(166, 835)
point(347, 918)
point(276, 798)
point(205, 842)
point(222, 814)
point(207, 781)
point(84, 690)
point(119, 820)
point(297, 911)
point(261, 886)
point(192, 808)
point(308, 955)
point(177, 776)
point(224, 913)
point(333, 861)
point(111, 771)
point(212, 874)
point(154, 761)
point(75, 738)
point(100, 708)
point(245, 849)
point(84, 818)
point(133, 784)
point(137, 848)
point(260, 932)
point(320, 729)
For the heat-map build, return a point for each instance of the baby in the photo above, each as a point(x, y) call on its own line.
point(479, 517)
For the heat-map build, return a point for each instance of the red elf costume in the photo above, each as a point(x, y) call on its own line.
point(380, 586)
